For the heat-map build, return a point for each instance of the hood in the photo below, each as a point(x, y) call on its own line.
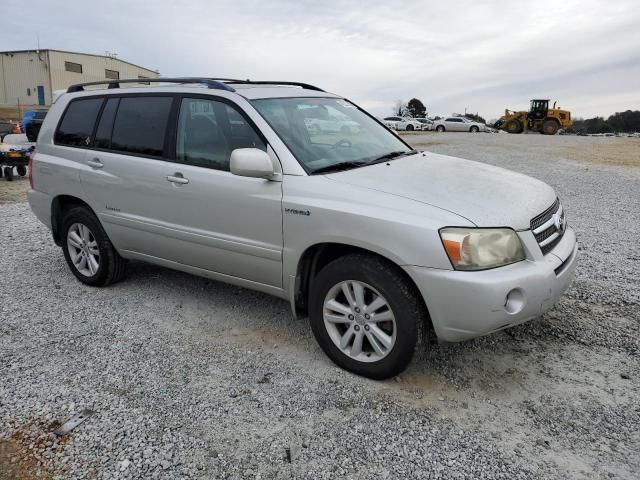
point(487, 196)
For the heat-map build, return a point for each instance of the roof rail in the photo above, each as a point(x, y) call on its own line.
point(269, 82)
point(209, 82)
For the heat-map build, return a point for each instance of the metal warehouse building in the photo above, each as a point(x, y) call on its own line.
point(29, 77)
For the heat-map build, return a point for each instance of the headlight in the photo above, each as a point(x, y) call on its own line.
point(481, 248)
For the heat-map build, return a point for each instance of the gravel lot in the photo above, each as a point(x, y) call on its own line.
point(191, 378)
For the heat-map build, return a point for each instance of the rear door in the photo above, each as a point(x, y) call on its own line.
point(124, 167)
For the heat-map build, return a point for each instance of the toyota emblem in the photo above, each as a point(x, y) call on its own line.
point(559, 222)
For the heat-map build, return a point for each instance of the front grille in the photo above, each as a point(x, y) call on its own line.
point(545, 227)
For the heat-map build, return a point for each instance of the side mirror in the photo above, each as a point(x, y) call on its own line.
point(251, 162)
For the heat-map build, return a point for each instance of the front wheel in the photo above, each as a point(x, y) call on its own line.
point(8, 173)
point(440, 128)
point(22, 170)
point(474, 129)
point(409, 128)
point(366, 316)
point(550, 127)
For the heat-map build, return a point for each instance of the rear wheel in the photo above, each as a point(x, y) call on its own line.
point(366, 316)
point(514, 126)
point(440, 128)
point(88, 251)
point(550, 127)
point(8, 173)
point(22, 170)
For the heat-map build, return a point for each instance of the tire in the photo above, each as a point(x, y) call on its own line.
point(409, 128)
point(22, 170)
point(110, 266)
point(401, 312)
point(8, 173)
point(514, 126)
point(550, 127)
point(474, 129)
point(440, 128)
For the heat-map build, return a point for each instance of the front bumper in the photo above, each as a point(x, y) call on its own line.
point(464, 305)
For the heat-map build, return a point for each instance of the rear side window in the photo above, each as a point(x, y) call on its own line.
point(78, 121)
point(141, 124)
point(103, 133)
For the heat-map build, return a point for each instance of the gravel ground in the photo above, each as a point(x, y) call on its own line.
point(190, 378)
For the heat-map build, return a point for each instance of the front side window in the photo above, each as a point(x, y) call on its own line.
point(325, 132)
point(140, 125)
point(78, 121)
point(209, 130)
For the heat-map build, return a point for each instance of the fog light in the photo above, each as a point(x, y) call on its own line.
point(514, 301)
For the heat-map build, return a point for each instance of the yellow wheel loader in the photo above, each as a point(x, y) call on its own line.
point(539, 118)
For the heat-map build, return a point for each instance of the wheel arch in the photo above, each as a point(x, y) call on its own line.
point(59, 205)
point(316, 256)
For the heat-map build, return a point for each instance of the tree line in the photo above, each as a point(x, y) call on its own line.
point(627, 122)
point(414, 108)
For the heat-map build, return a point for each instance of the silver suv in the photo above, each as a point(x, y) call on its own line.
point(233, 180)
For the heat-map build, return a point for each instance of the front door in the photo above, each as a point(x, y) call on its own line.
point(228, 224)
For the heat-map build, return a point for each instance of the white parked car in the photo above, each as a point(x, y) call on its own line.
point(389, 124)
point(370, 239)
point(426, 123)
point(403, 123)
point(458, 124)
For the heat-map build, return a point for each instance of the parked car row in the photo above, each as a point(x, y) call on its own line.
point(450, 124)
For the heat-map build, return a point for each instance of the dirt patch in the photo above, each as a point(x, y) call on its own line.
point(14, 191)
point(18, 457)
point(608, 151)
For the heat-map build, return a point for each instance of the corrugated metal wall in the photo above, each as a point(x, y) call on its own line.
point(22, 72)
point(93, 69)
point(20, 75)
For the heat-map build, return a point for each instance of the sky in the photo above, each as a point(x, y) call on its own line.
point(454, 55)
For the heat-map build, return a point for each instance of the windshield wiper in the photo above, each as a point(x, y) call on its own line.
point(391, 155)
point(339, 166)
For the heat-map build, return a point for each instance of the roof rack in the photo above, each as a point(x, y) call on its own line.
point(213, 83)
point(269, 82)
point(209, 82)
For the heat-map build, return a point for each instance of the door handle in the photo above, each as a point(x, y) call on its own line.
point(95, 163)
point(177, 178)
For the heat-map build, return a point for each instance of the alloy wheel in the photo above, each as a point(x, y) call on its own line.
point(359, 321)
point(83, 249)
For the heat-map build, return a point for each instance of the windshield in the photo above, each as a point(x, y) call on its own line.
point(322, 132)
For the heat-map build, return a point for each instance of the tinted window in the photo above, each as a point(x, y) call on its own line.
point(141, 124)
point(76, 126)
point(40, 115)
point(103, 132)
point(208, 131)
point(453, 120)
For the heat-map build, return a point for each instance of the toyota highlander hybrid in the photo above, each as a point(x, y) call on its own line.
point(260, 184)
